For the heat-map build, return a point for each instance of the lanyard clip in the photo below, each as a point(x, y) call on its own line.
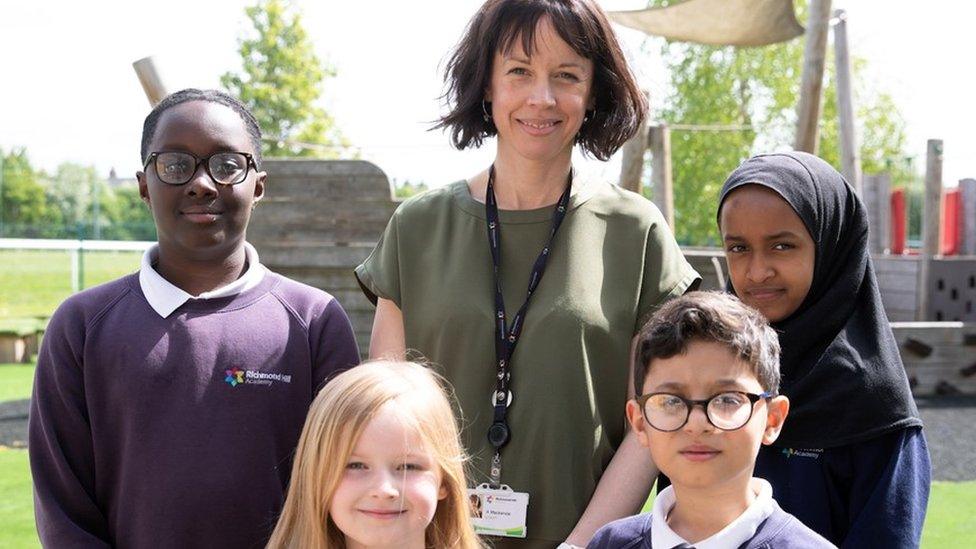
point(501, 399)
point(495, 474)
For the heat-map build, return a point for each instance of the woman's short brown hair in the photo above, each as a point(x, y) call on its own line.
point(620, 106)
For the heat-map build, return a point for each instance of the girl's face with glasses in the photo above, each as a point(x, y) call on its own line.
point(201, 218)
point(699, 454)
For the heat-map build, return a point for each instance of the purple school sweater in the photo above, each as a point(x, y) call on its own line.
point(179, 431)
point(780, 530)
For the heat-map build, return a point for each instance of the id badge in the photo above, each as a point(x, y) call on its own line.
point(498, 512)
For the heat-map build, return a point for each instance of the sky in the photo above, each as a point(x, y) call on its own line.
point(68, 91)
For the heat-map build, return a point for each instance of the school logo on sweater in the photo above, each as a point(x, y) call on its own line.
point(237, 376)
point(812, 453)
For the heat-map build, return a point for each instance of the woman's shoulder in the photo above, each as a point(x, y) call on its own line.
point(621, 205)
point(433, 200)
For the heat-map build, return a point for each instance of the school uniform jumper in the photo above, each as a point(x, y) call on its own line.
point(763, 526)
point(176, 429)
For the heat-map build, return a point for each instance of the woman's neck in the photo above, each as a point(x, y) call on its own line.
point(699, 514)
point(522, 184)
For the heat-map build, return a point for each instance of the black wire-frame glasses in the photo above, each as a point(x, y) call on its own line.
point(728, 410)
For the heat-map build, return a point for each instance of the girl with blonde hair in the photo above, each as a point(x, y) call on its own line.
point(379, 464)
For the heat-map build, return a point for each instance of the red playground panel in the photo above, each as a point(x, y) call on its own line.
point(951, 222)
point(899, 219)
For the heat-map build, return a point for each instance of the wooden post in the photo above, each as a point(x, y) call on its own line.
point(632, 161)
point(877, 200)
point(811, 85)
point(850, 153)
point(662, 192)
point(968, 189)
point(931, 222)
point(152, 82)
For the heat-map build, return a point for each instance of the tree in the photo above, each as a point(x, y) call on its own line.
point(880, 127)
point(36, 205)
point(754, 91)
point(281, 82)
point(405, 189)
point(126, 216)
point(72, 190)
point(25, 208)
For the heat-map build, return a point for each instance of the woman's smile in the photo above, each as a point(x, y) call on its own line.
point(537, 126)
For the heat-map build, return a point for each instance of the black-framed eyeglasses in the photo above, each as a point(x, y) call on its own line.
point(177, 168)
point(728, 411)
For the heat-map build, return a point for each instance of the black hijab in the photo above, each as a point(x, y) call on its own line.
point(840, 364)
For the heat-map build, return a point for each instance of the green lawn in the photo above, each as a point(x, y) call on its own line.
point(34, 282)
point(16, 381)
point(16, 501)
point(952, 515)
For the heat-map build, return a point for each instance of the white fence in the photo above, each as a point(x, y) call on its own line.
point(76, 249)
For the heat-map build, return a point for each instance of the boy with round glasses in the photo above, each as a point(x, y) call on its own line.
point(707, 372)
point(168, 403)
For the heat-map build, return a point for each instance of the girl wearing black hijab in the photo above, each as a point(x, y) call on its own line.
point(851, 461)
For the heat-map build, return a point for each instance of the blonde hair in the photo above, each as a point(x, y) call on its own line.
point(337, 417)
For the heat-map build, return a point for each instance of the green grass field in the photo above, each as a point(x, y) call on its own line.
point(952, 515)
point(16, 501)
point(34, 282)
point(16, 381)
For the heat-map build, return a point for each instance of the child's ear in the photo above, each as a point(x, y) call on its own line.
point(777, 410)
point(143, 187)
point(442, 491)
point(636, 419)
point(259, 186)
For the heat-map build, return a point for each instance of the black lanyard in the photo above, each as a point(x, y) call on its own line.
point(506, 339)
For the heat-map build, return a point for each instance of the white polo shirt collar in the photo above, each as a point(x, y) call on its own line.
point(739, 531)
point(164, 297)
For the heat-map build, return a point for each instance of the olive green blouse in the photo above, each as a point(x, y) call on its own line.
point(613, 261)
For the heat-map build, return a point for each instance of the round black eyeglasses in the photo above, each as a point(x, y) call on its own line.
point(727, 411)
point(177, 168)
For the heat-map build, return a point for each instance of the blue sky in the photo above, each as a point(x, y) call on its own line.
point(68, 91)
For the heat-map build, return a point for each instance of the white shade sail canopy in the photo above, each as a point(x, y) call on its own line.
point(717, 22)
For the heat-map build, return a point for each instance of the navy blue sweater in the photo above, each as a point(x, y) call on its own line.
point(780, 530)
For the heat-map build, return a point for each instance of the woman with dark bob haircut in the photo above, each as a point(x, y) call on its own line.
point(527, 284)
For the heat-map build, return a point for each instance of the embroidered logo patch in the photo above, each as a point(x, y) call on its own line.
point(235, 376)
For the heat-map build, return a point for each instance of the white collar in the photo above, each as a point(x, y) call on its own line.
point(164, 297)
point(737, 532)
